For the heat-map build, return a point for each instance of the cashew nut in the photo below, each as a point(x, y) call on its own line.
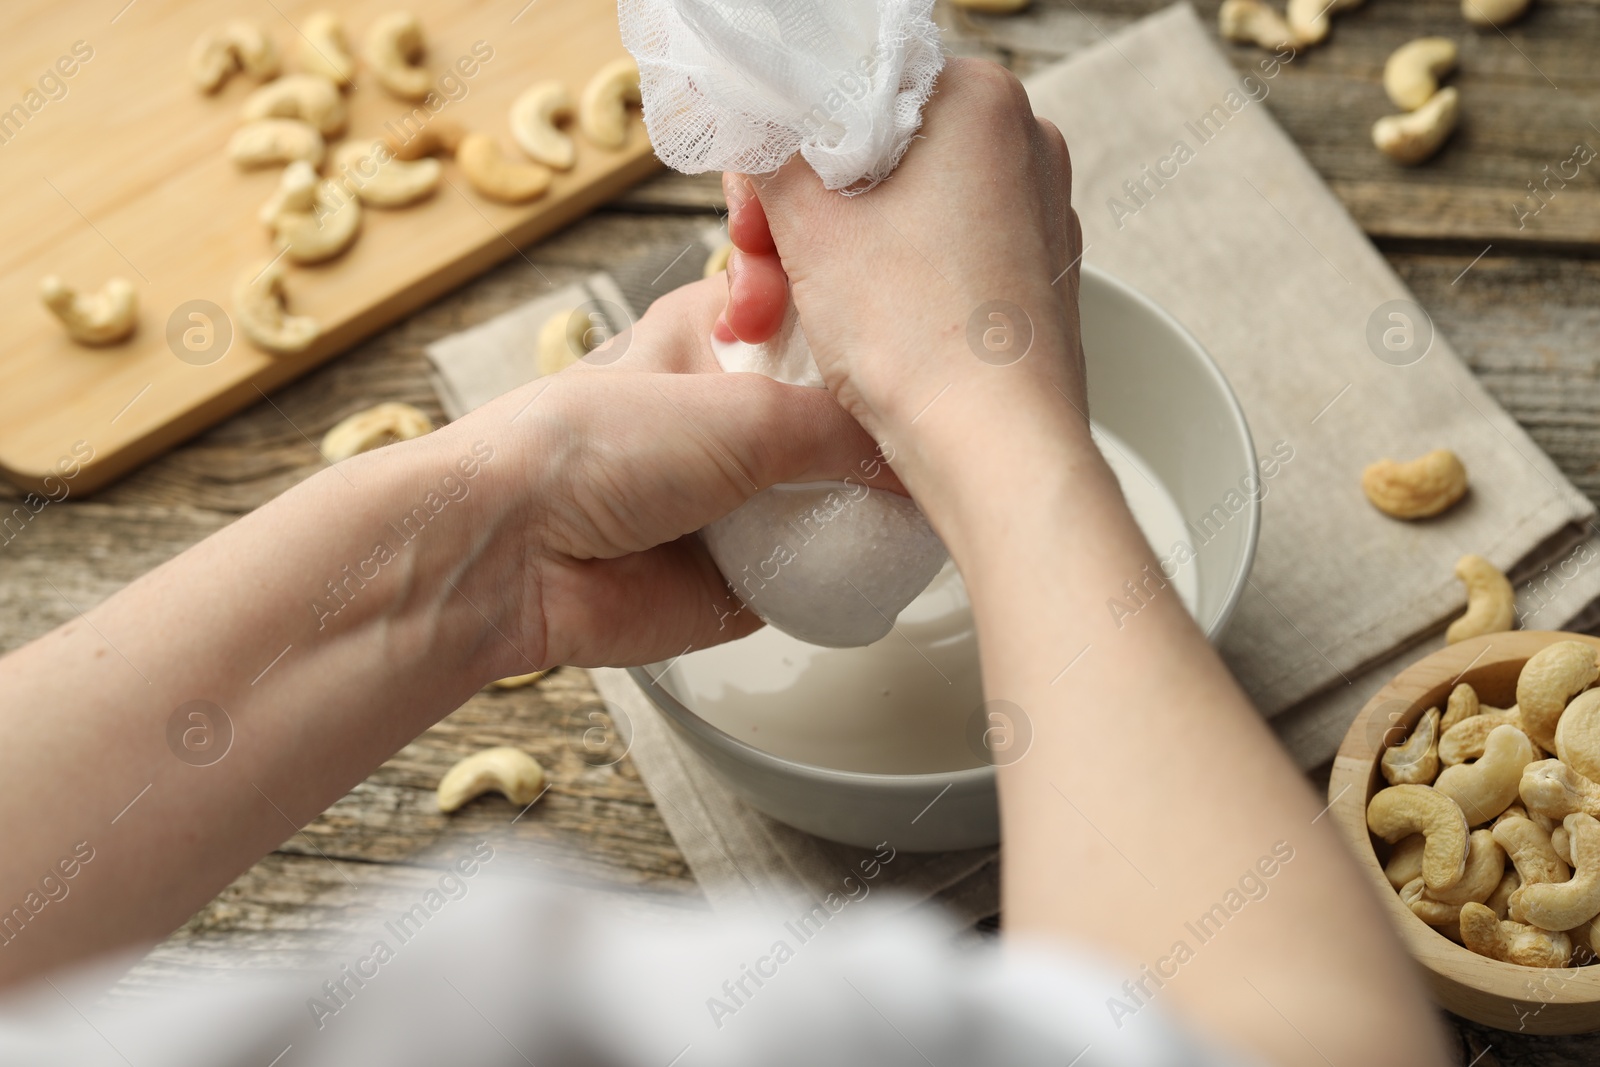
point(258, 306)
point(1415, 137)
point(310, 98)
point(1465, 740)
point(1486, 786)
point(1416, 759)
point(1410, 809)
point(1499, 901)
point(1551, 788)
point(314, 219)
point(1416, 489)
point(510, 772)
point(394, 50)
point(1491, 604)
point(498, 176)
point(1254, 22)
point(269, 142)
point(383, 424)
point(517, 681)
point(1578, 734)
point(370, 171)
point(1564, 905)
point(1411, 76)
point(102, 318)
point(441, 137)
point(217, 54)
point(1493, 12)
point(1463, 704)
point(1561, 845)
point(1529, 848)
point(324, 49)
point(1552, 677)
point(1512, 942)
point(534, 115)
point(1310, 19)
point(603, 108)
point(563, 340)
point(1405, 861)
point(1486, 866)
point(717, 261)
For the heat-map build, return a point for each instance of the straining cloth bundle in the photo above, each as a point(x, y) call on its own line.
point(742, 85)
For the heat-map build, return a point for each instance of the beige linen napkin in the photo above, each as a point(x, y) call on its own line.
point(1190, 191)
point(1242, 242)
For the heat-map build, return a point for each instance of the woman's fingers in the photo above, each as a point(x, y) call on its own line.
point(758, 289)
point(631, 461)
point(758, 294)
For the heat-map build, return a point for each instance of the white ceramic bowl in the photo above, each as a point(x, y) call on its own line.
point(1158, 392)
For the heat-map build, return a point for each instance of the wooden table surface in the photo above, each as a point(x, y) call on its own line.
point(1506, 287)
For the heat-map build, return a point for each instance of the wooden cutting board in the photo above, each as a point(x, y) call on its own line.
point(118, 169)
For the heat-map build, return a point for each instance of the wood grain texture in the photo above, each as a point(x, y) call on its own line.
point(178, 220)
point(1523, 317)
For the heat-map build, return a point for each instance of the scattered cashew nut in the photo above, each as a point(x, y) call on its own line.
point(1551, 788)
point(517, 681)
point(370, 171)
point(563, 340)
point(1499, 901)
point(1465, 740)
point(217, 54)
point(1564, 905)
point(1414, 138)
point(380, 425)
point(534, 115)
point(1578, 734)
point(1561, 845)
point(324, 49)
point(1529, 848)
point(1411, 76)
point(269, 142)
point(102, 318)
point(510, 772)
point(1552, 677)
point(1463, 704)
point(1418, 488)
point(1512, 942)
point(1491, 603)
point(1415, 760)
point(1493, 12)
point(394, 50)
point(1405, 861)
point(1255, 22)
point(717, 261)
point(1486, 866)
point(603, 107)
point(1485, 787)
point(441, 137)
point(1311, 19)
point(310, 98)
point(258, 307)
point(1400, 810)
point(312, 218)
point(498, 176)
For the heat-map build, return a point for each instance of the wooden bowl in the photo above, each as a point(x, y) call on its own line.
point(1503, 995)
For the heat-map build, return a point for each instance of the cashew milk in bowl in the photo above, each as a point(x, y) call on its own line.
point(901, 705)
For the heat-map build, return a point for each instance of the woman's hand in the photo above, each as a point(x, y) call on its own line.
point(615, 462)
point(954, 282)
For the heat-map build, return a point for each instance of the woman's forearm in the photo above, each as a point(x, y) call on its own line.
point(196, 719)
point(1154, 813)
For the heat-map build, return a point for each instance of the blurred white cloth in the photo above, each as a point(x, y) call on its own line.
point(512, 973)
